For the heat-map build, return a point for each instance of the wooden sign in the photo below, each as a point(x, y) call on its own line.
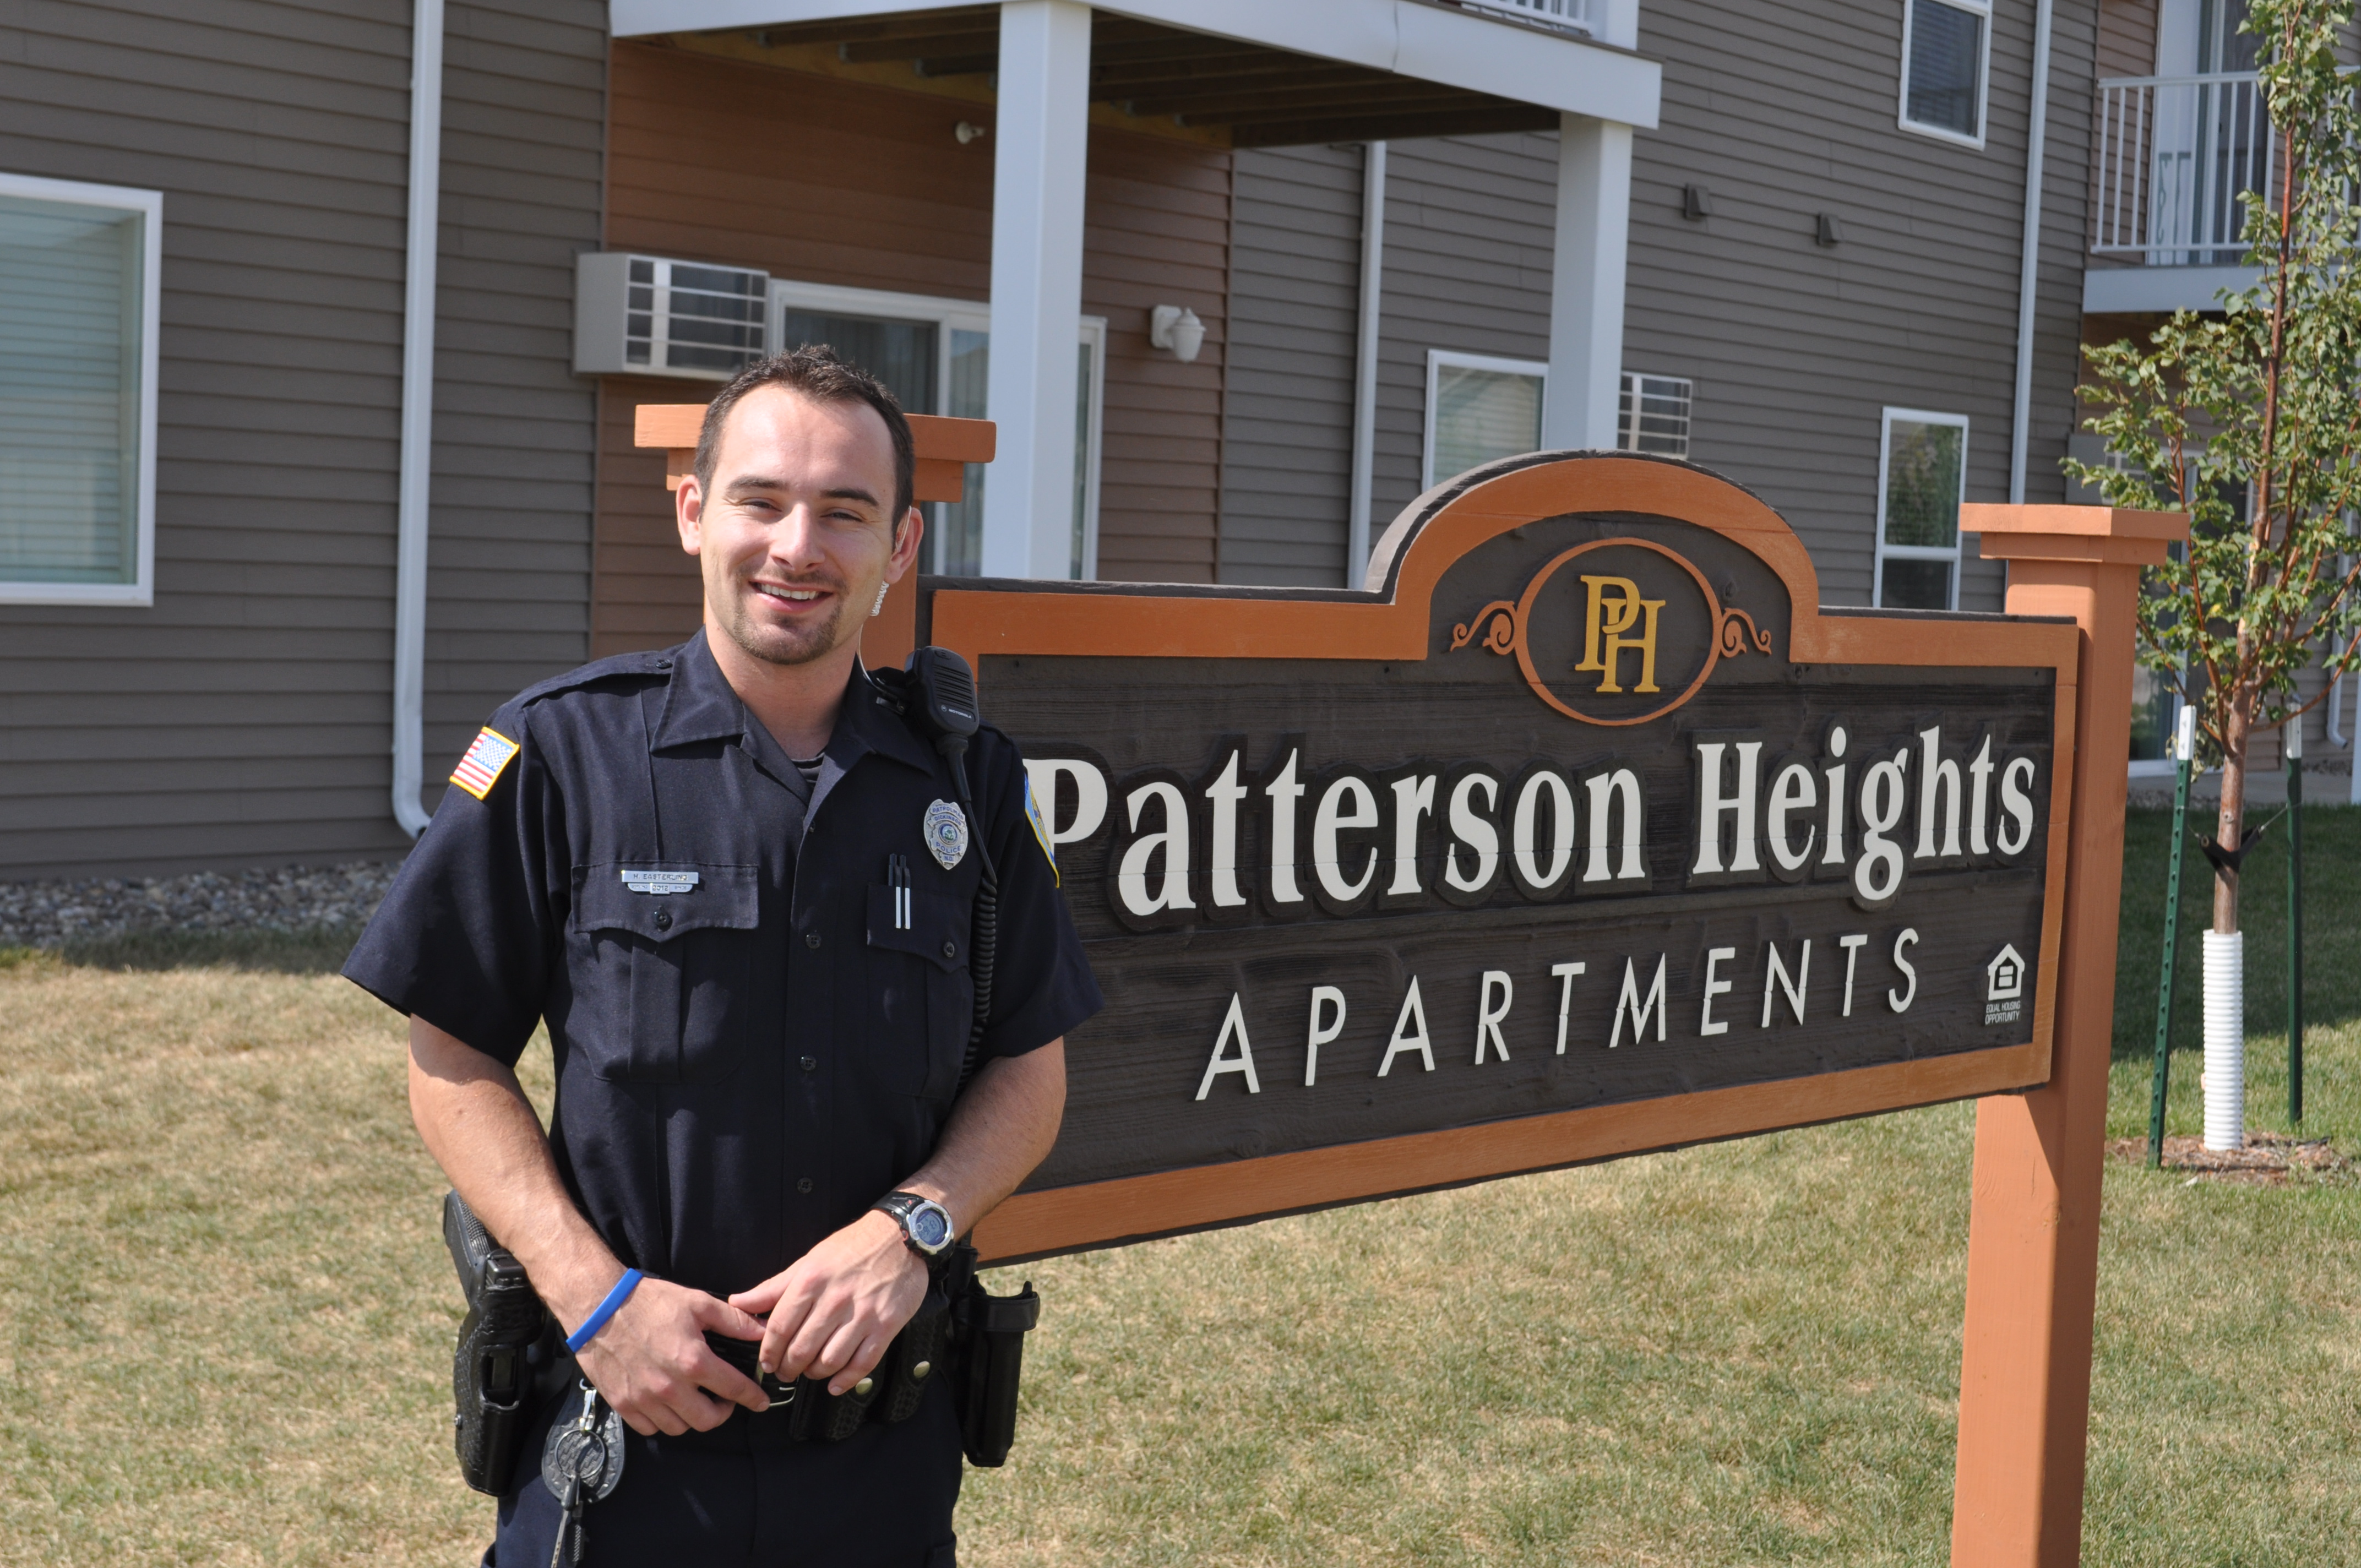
point(1592, 833)
point(1502, 857)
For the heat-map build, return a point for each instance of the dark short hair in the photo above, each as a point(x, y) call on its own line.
point(819, 373)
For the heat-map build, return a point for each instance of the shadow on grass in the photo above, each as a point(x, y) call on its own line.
point(2331, 926)
point(318, 950)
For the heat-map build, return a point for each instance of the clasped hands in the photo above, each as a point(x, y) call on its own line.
point(830, 1314)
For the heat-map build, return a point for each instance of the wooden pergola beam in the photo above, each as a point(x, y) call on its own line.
point(979, 64)
point(1503, 116)
point(1442, 104)
point(1149, 75)
point(941, 41)
point(1296, 101)
point(847, 30)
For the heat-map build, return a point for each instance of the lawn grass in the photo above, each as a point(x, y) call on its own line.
point(224, 1317)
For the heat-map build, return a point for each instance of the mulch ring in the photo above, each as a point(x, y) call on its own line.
point(2270, 1159)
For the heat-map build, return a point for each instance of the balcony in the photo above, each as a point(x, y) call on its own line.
point(2176, 162)
point(1560, 16)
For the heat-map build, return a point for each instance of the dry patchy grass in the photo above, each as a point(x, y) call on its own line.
point(225, 1319)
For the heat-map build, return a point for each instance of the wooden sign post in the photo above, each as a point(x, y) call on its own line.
point(2033, 1233)
point(1591, 832)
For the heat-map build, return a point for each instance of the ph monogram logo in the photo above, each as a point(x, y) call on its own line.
point(1615, 606)
point(1626, 637)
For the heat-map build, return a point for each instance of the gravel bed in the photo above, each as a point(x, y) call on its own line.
point(291, 898)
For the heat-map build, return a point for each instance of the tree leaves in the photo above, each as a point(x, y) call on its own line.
point(2250, 421)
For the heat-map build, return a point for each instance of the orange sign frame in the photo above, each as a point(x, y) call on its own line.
point(1394, 623)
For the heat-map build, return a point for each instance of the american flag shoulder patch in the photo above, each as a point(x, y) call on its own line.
point(480, 770)
point(1041, 832)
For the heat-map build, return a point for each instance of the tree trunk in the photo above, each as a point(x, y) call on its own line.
point(2223, 1081)
point(2229, 830)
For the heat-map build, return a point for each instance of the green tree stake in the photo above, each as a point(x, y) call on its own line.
point(2295, 921)
point(2183, 747)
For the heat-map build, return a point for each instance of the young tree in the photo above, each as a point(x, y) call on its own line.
point(2250, 421)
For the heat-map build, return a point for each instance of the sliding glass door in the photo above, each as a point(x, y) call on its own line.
point(936, 356)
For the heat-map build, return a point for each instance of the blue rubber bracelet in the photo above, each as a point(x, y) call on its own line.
point(605, 1309)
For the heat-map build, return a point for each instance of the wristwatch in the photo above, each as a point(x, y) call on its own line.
point(927, 1227)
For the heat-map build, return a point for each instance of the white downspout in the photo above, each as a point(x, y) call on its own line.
point(1364, 368)
point(2020, 439)
point(417, 411)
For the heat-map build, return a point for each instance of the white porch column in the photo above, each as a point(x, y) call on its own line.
point(1040, 134)
point(1593, 214)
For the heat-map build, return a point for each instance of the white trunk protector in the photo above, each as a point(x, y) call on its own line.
point(2225, 1040)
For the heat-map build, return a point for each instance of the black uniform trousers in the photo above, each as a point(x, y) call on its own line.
point(882, 1499)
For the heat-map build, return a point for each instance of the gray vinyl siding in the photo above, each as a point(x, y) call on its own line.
point(1471, 233)
point(1793, 348)
point(245, 717)
point(1286, 419)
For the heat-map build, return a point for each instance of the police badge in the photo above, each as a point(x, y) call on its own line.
point(945, 831)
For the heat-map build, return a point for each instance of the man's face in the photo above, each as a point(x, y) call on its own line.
point(797, 535)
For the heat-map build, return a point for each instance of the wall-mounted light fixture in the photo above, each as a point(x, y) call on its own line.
point(969, 131)
point(1176, 327)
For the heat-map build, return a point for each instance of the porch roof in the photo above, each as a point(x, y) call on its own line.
point(1263, 74)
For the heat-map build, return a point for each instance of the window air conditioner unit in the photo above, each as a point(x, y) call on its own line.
point(645, 316)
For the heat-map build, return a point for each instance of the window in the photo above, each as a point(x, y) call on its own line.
point(78, 293)
point(1567, 16)
point(1922, 470)
point(1478, 409)
point(2156, 714)
point(1652, 414)
point(936, 356)
point(1946, 57)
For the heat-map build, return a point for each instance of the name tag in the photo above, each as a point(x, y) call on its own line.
point(659, 882)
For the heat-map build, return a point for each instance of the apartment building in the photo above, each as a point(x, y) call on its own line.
point(319, 439)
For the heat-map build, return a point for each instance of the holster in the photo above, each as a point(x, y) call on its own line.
point(510, 1359)
point(988, 1339)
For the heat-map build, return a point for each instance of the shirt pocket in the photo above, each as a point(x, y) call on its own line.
point(667, 974)
point(922, 1000)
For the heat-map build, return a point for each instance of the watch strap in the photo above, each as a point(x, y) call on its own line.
point(900, 1206)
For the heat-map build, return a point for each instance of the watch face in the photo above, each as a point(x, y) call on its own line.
point(929, 1227)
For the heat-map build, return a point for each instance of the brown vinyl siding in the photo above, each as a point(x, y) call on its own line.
point(1156, 231)
point(646, 593)
point(822, 180)
point(1295, 287)
point(804, 177)
point(245, 717)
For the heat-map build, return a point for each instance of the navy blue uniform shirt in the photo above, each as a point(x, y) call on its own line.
point(747, 1063)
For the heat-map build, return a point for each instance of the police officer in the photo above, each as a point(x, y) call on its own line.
point(738, 887)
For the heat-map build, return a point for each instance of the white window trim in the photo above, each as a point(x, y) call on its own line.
point(2162, 767)
point(963, 315)
point(1983, 78)
point(140, 592)
point(1436, 359)
point(1914, 552)
point(1094, 333)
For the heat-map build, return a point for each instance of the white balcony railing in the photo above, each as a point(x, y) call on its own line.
point(2179, 158)
point(1570, 15)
